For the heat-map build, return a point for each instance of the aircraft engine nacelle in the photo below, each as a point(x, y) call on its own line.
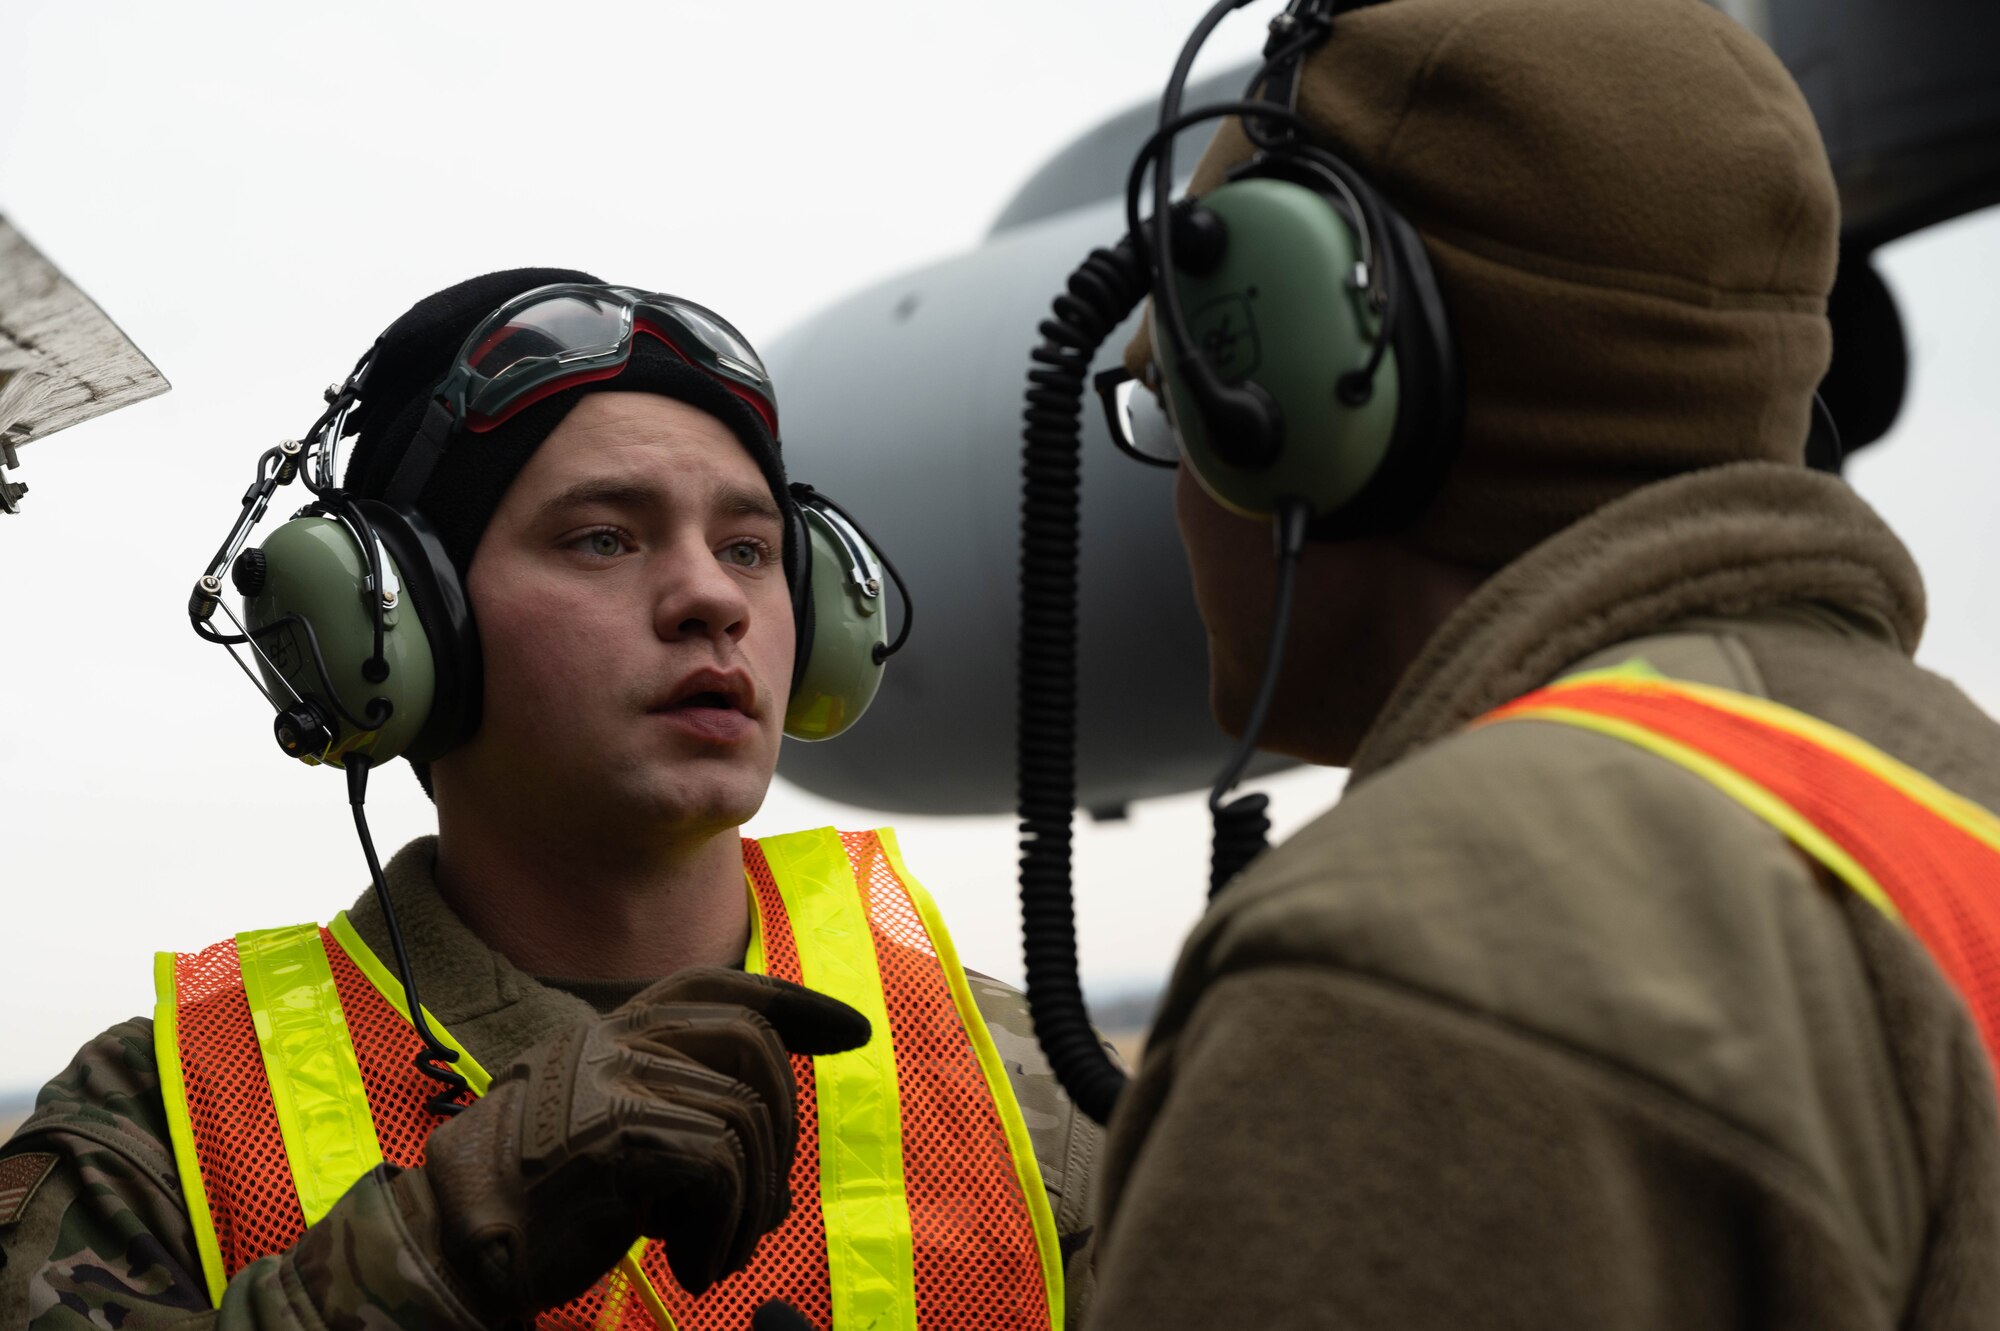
point(904, 404)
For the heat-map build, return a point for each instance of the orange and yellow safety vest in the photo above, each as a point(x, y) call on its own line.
point(286, 1057)
point(1917, 852)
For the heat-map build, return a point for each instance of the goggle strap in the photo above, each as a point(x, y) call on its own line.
point(420, 459)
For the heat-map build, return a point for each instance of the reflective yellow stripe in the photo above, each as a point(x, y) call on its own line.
point(640, 1283)
point(1019, 1145)
point(753, 955)
point(871, 1271)
point(391, 989)
point(315, 1078)
point(1756, 798)
point(617, 1289)
point(180, 1125)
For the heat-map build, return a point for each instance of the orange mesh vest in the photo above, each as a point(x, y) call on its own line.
point(1916, 851)
point(286, 1061)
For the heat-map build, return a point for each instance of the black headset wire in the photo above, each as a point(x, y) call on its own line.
point(339, 401)
point(1148, 155)
point(270, 475)
point(1243, 826)
point(1293, 34)
point(435, 1059)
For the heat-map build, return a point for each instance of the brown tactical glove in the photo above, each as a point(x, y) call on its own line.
point(673, 1117)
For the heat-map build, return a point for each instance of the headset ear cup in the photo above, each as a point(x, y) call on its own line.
point(1279, 313)
point(838, 670)
point(1276, 316)
point(433, 586)
point(307, 601)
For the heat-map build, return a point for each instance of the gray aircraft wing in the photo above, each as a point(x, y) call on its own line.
point(62, 360)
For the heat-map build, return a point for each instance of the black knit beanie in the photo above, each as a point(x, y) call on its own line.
point(416, 353)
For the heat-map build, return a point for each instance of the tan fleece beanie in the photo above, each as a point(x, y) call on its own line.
point(1632, 218)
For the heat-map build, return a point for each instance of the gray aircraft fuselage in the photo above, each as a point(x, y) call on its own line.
point(904, 402)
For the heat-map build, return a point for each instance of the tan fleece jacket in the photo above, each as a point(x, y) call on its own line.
point(1536, 1030)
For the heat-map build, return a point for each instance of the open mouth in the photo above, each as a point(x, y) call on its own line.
point(711, 708)
point(717, 700)
point(708, 691)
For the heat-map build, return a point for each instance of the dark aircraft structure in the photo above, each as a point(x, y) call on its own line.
point(907, 397)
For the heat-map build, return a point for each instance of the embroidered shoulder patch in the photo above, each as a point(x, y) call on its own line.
point(20, 1175)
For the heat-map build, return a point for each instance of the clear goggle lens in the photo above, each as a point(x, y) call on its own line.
point(723, 340)
point(561, 328)
point(545, 341)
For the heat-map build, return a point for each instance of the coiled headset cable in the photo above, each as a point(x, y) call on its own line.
point(1097, 297)
point(1095, 300)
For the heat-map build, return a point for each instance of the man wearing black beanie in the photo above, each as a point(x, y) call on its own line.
point(685, 1099)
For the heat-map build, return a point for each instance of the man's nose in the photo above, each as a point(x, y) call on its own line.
point(698, 598)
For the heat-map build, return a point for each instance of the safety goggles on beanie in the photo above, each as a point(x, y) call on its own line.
point(563, 335)
point(555, 337)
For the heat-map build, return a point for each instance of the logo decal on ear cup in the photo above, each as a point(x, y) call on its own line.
point(1289, 311)
point(1226, 327)
point(315, 624)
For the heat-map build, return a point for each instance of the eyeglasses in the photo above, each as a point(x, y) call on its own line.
point(1137, 419)
point(555, 337)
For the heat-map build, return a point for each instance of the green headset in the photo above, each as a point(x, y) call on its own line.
point(357, 599)
point(1303, 353)
point(1305, 374)
point(1297, 377)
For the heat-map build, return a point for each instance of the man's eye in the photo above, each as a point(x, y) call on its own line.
point(746, 554)
point(605, 544)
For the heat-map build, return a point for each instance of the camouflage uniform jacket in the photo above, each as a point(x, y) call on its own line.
point(94, 1231)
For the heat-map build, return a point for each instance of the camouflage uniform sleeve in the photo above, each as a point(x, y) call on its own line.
point(1066, 1142)
point(94, 1231)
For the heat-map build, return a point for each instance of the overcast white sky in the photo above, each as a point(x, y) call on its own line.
point(253, 191)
